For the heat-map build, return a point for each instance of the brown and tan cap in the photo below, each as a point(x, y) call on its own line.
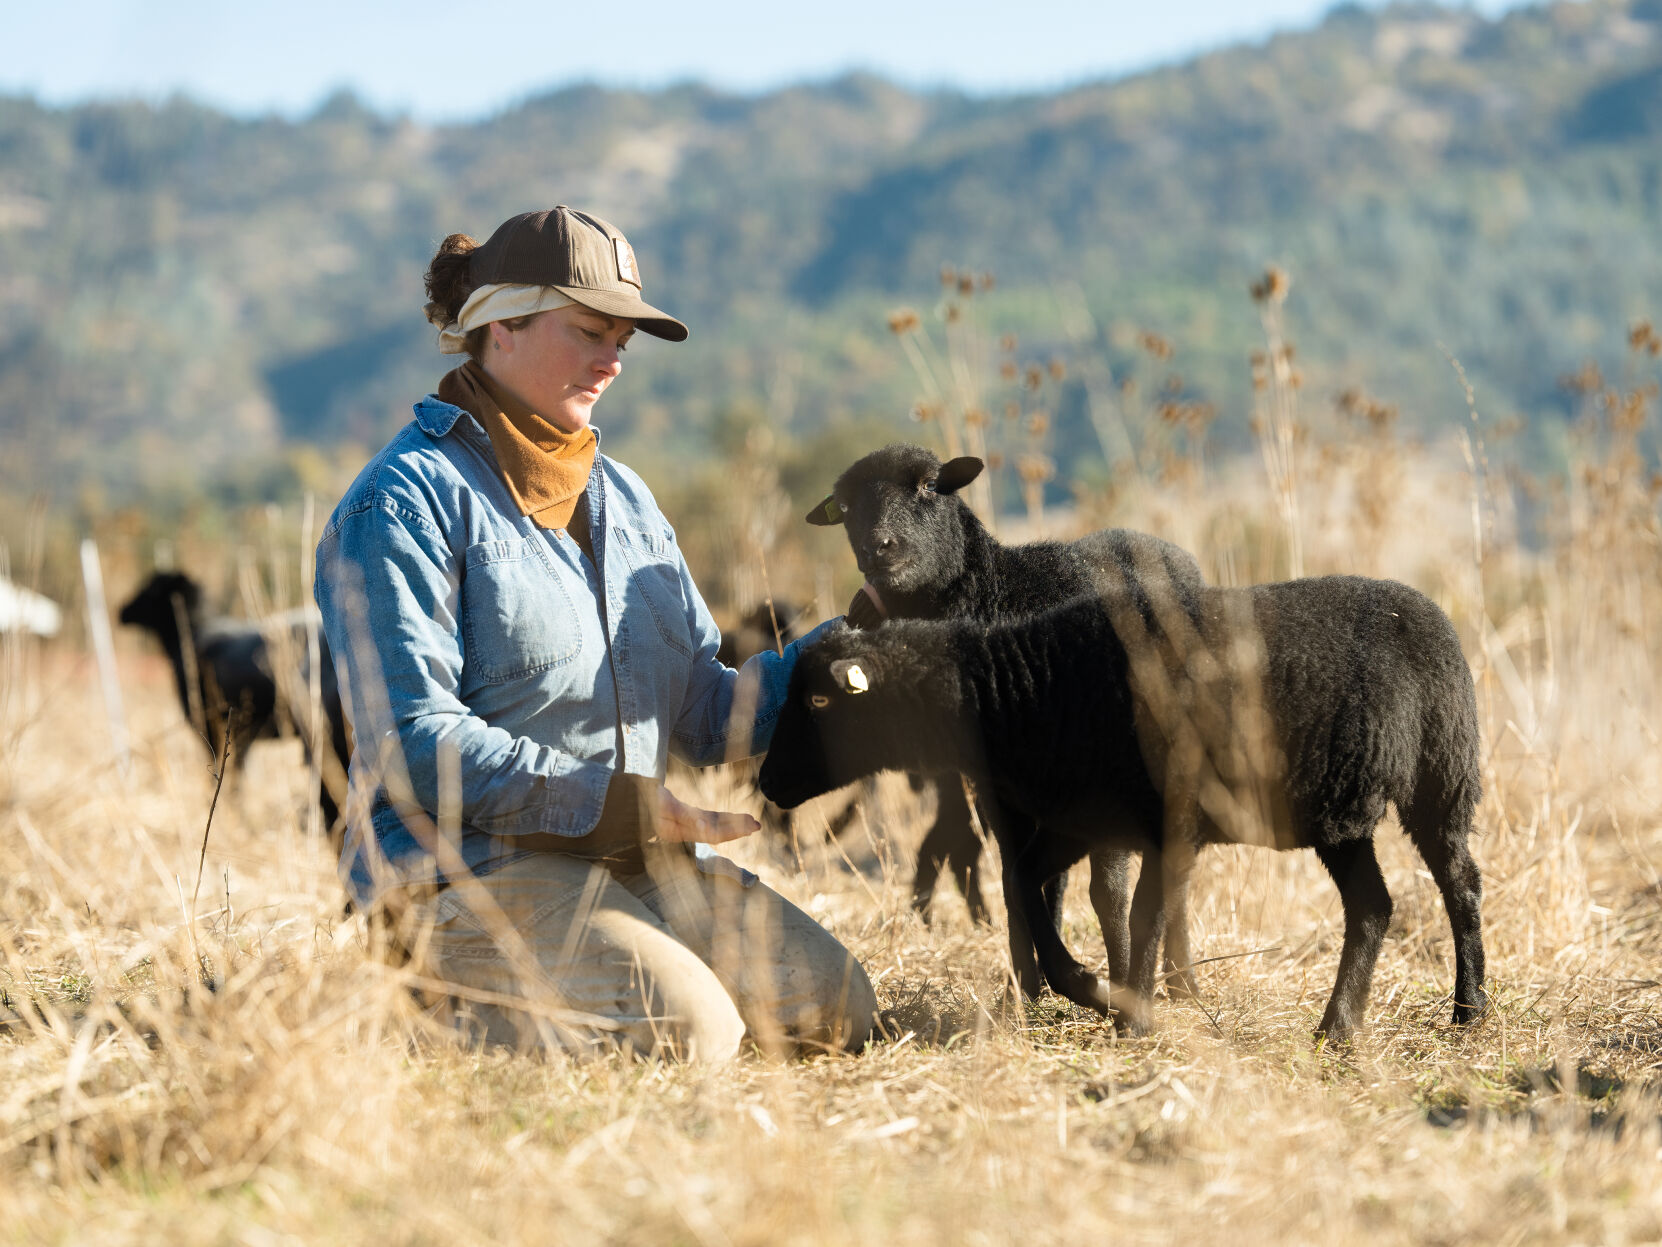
point(581, 256)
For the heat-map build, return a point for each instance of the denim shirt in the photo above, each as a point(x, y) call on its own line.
point(495, 673)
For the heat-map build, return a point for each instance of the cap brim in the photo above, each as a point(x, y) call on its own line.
point(648, 319)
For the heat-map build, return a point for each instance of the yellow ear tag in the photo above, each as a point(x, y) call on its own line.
point(856, 680)
point(832, 511)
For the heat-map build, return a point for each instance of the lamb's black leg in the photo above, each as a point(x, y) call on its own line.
point(1111, 898)
point(1457, 877)
point(327, 807)
point(1178, 863)
point(1367, 913)
point(1063, 972)
point(1056, 892)
point(1013, 836)
point(963, 848)
point(1134, 1002)
point(951, 842)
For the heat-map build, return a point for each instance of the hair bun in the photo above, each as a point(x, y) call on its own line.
point(449, 279)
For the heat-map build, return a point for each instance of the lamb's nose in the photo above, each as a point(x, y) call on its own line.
point(882, 545)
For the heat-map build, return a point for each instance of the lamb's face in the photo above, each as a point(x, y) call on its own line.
point(903, 522)
point(840, 722)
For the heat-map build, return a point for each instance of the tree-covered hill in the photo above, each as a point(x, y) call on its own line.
point(191, 298)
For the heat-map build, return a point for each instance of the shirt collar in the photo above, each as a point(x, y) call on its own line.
point(437, 418)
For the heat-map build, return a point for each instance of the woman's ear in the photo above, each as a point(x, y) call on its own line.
point(502, 337)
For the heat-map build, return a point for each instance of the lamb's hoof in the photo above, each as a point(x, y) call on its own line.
point(1333, 1033)
point(1128, 1026)
point(1130, 1016)
point(1466, 1014)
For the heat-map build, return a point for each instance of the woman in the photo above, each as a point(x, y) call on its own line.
point(523, 646)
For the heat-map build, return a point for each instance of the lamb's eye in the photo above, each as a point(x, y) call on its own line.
point(928, 487)
point(819, 701)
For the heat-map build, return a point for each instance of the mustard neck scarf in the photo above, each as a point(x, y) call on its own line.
point(546, 469)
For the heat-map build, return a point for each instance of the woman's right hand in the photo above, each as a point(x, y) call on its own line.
point(680, 823)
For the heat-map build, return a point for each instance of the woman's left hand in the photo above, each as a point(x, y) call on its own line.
point(680, 823)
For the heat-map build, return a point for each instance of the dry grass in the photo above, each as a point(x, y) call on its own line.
point(253, 1075)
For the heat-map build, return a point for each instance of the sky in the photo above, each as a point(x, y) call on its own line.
point(453, 61)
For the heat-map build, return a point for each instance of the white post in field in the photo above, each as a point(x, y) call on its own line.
point(103, 647)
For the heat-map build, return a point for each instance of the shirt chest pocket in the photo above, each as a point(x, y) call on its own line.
point(517, 617)
point(655, 580)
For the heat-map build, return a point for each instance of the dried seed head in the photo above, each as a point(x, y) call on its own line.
point(1038, 424)
point(995, 459)
point(1035, 469)
point(1008, 370)
point(1358, 405)
point(1272, 286)
point(966, 284)
point(975, 418)
point(1585, 380)
point(953, 312)
point(1033, 378)
point(1058, 370)
point(903, 320)
point(1007, 343)
point(1155, 345)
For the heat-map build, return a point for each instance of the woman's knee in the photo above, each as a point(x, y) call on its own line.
point(839, 1008)
point(852, 1013)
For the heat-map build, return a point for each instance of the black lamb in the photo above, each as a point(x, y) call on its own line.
point(926, 555)
point(773, 625)
point(1289, 717)
point(229, 675)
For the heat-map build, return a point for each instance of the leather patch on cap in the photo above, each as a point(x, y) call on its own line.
point(626, 262)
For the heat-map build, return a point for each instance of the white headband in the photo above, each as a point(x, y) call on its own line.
point(497, 302)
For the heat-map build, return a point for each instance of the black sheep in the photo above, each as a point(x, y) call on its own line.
point(1289, 717)
point(926, 555)
point(228, 675)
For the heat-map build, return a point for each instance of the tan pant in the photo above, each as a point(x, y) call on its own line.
point(672, 962)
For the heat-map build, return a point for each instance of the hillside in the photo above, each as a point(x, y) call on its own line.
point(200, 302)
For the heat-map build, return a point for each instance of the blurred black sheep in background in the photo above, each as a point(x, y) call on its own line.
point(253, 677)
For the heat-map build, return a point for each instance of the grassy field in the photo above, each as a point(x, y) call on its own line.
point(304, 1097)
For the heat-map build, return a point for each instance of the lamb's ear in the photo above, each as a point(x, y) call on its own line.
point(957, 473)
point(827, 512)
point(849, 673)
